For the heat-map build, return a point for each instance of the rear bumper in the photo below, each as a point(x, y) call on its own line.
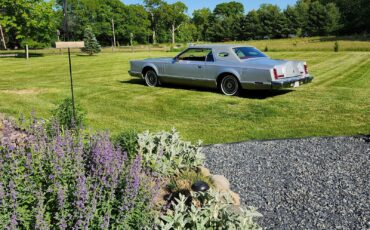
point(135, 74)
point(289, 82)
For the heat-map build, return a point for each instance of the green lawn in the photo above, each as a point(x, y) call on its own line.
point(336, 103)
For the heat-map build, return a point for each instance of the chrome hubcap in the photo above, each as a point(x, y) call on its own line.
point(229, 85)
point(151, 78)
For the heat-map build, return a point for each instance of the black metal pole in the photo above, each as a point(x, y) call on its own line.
point(73, 97)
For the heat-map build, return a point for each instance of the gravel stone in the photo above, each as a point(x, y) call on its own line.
point(313, 183)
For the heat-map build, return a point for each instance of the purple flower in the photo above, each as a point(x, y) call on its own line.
point(133, 183)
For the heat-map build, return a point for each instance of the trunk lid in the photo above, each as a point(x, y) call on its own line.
point(284, 68)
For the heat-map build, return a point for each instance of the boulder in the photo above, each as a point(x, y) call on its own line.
point(204, 171)
point(235, 198)
point(221, 183)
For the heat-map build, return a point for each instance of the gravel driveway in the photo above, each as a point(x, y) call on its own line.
point(314, 183)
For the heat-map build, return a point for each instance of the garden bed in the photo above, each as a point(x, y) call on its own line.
point(53, 177)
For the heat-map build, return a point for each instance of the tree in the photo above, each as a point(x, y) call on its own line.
point(302, 16)
point(28, 21)
point(224, 21)
point(354, 15)
point(175, 16)
point(201, 20)
point(316, 19)
point(91, 44)
point(229, 9)
point(292, 16)
point(187, 32)
point(135, 20)
point(332, 18)
point(153, 8)
point(251, 26)
point(272, 20)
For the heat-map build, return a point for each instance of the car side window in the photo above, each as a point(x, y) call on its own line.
point(195, 54)
point(210, 57)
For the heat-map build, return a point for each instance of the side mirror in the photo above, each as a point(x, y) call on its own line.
point(175, 59)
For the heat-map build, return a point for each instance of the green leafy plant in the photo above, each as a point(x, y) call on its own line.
point(213, 212)
point(91, 44)
point(127, 141)
point(63, 115)
point(167, 154)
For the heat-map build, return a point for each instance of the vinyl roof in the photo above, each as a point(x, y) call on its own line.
point(219, 45)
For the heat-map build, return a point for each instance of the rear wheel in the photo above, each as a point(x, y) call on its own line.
point(151, 78)
point(230, 85)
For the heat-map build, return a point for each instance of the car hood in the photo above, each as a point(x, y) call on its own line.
point(264, 62)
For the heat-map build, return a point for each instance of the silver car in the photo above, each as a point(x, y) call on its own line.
point(227, 67)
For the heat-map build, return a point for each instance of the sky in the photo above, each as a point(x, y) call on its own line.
point(197, 4)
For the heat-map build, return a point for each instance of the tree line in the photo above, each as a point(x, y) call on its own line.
point(39, 22)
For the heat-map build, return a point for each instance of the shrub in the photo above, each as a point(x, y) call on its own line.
point(166, 154)
point(63, 115)
point(68, 181)
point(91, 44)
point(266, 49)
point(127, 141)
point(209, 210)
point(336, 46)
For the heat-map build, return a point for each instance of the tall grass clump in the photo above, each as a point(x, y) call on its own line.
point(70, 180)
point(336, 46)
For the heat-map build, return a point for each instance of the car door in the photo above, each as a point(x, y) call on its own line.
point(188, 67)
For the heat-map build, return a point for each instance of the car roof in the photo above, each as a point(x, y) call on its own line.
point(222, 46)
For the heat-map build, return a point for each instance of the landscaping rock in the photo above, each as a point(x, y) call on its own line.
point(235, 198)
point(311, 183)
point(221, 183)
point(204, 171)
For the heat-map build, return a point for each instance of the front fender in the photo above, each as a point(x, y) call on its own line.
point(150, 65)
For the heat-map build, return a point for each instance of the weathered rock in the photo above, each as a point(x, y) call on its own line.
point(204, 171)
point(235, 198)
point(221, 183)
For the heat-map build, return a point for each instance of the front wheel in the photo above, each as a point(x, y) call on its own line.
point(230, 85)
point(151, 78)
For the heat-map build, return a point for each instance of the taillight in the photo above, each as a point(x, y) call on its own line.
point(305, 69)
point(276, 75)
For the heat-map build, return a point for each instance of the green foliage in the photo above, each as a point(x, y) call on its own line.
point(224, 22)
point(166, 154)
point(214, 213)
point(63, 115)
point(32, 20)
point(336, 46)
point(127, 141)
point(200, 20)
point(91, 44)
point(272, 20)
point(35, 21)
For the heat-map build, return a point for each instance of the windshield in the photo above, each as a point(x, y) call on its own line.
point(248, 52)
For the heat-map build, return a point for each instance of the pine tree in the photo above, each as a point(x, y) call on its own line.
point(91, 44)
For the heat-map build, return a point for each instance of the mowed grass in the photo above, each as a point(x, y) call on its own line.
point(336, 103)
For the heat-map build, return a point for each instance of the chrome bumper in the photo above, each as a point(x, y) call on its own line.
point(289, 82)
point(135, 74)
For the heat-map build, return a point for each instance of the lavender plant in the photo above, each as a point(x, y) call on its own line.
point(69, 180)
